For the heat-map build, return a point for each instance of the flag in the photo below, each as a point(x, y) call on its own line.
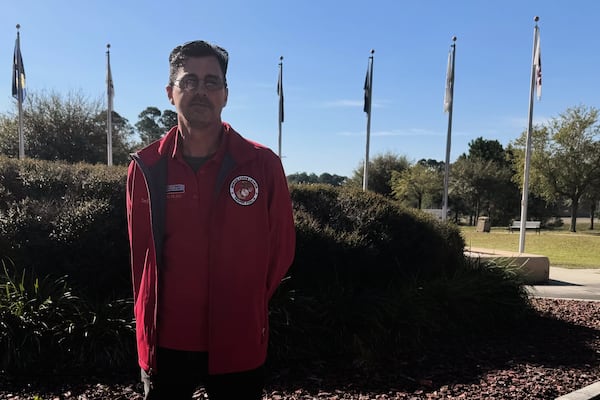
point(110, 89)
point(280, 92)
point(537, 61)
point(18, 78)
point(367, 87)
point(449, 84)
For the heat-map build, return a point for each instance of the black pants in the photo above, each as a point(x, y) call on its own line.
point(180, 373)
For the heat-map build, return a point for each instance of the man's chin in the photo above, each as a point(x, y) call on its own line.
point(200, 122)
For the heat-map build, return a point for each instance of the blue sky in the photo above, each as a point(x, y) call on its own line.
point(325, 45)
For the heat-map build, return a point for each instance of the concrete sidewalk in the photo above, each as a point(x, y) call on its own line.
point(568, 283)
point(544, 280)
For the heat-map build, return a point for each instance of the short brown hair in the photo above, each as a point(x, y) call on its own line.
point(196, 48)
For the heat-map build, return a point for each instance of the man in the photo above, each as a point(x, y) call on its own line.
point(211, 234)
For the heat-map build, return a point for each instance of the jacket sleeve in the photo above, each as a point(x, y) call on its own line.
point(282, 231)
point(138, 228)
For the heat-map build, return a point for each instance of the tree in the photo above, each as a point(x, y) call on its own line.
point(168, 119)
point(480, 182)
point(484, 149)
point(303, 177)
point(468, 180)
point(334, 180)
point(70, 128)
point(380, 172)
point(592, 198)
point(417, 182)
point(565, 159)
point(538, 207)
point(435, 197)
point(482, 187)
point(153, 124)
point(432, 164)
point(148, 125)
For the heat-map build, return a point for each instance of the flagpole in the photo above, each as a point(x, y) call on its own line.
point(280, 93)
point(522, 229)
point(20, 100)
point(368, 106)
point(450, 106)
point(109, 108)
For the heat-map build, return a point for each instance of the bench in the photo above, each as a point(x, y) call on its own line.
point(516, 225)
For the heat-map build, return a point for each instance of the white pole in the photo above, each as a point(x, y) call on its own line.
point(449, 136)
point(21, 136)
point(109, 92)
point(522, 229)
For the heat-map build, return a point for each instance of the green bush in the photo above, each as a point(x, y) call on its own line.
point(372, 281)
point(32, 312)
point(368, 235)
point(46, 327)
point(67, 219)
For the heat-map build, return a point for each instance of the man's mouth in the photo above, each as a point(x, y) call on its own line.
point(200, 104)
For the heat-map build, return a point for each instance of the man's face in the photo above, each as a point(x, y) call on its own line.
point(199, 93)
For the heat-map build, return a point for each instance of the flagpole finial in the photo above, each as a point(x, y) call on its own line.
point(372, 51)
point(454, 38)
point(18, 26)
point(280, 58)
point(108, 46)
point(536, 18)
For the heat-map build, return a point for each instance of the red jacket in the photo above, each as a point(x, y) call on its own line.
point(254, 242)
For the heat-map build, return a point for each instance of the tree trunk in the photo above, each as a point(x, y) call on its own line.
point(574, 207)
point(592, 212)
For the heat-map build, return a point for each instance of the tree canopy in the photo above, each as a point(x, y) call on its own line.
point(327, 178)
point(380, 172)
point(565, 157)
point(417, 183)
point(481, 183)
point(153, 124)
point(67, 127)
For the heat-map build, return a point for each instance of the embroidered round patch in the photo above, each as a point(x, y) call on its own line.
point(244, 190)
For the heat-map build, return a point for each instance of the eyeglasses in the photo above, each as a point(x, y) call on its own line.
point(191, 83)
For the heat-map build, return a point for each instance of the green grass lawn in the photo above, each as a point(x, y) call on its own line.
point(563, 248)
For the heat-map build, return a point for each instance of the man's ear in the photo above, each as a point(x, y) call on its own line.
point(169, 90)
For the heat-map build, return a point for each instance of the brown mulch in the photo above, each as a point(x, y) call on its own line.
point(553, 354)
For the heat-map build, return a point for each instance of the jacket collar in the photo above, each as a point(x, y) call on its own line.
point(239, 148)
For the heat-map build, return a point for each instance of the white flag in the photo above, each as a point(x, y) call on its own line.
point(449, 83)
point(110, 88)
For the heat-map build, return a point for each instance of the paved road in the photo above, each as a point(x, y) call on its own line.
point(567, 283)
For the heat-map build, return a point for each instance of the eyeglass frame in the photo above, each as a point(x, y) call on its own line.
point(192, 77)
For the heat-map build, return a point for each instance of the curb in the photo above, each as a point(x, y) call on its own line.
point(591, 392)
